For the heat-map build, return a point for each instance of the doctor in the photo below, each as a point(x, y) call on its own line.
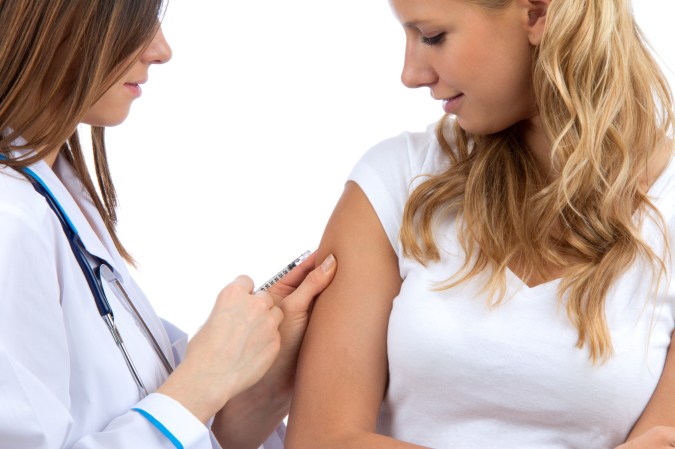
point(84, 360)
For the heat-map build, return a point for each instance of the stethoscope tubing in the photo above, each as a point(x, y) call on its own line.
point(80, 253)
point(77, 248)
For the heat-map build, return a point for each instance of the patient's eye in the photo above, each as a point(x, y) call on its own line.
point(433, 40)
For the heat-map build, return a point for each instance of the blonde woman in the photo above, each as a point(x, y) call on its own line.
point(505, 278)
point(84, 360)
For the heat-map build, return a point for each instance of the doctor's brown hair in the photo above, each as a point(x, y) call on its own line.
point(608, 110)
point(57, 58)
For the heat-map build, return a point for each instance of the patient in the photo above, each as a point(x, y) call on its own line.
point(503, 276)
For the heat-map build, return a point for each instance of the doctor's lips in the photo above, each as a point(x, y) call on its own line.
point(135, 87)
point(451, 104)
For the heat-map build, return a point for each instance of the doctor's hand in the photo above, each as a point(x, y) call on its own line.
point(231, 352)
point(248, 419)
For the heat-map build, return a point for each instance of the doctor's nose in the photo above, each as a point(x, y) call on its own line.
point(159, 51)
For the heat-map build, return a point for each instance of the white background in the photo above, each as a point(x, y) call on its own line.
point(232, 160)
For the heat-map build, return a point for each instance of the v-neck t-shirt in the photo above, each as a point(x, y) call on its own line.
point(463, 374)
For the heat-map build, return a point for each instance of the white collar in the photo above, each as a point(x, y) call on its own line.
point(76, 202)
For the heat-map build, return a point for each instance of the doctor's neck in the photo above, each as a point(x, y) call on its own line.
point(51, 158)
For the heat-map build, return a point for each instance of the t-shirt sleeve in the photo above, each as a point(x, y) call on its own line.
point(662, 195)
point(388, 172)
point(384, 173)
point(670, 297)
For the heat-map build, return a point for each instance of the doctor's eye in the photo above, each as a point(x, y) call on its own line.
point(433, 40)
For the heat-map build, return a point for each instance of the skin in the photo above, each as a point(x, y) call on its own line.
point(342, 372)
point(454, 47)
point(343, 359)
point(240, 366)
point(114, 106)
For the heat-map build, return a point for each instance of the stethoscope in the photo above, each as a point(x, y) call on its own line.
point(93, 273)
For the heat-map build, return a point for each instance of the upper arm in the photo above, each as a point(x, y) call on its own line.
point(342, 370)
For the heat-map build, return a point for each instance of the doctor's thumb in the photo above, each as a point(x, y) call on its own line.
point(315, 282)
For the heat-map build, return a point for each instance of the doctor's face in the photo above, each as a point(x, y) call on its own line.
point(113, 107)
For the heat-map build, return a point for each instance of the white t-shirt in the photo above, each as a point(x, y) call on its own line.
point(63, 381)
point(462, 375)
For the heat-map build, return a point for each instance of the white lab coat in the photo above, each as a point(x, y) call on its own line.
point(63, 381)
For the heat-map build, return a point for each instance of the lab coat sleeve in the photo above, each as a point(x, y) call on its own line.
point(35, 393)
point(157, 421)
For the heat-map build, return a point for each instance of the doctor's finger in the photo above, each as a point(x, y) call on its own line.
point(244, 282)
point(277, 314)
point(239, 292)
point(298, 274)
point(314, 283)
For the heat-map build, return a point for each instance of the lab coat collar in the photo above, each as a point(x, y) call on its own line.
point(71, 194)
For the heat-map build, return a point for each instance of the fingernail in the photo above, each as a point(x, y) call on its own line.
point(327, 263)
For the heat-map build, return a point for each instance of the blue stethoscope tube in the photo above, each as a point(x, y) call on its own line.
point(93, 276)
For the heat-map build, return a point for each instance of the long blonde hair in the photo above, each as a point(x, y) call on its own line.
point(607, 109)
point(57, 58)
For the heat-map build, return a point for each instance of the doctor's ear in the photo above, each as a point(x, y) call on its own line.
point(536, 19)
